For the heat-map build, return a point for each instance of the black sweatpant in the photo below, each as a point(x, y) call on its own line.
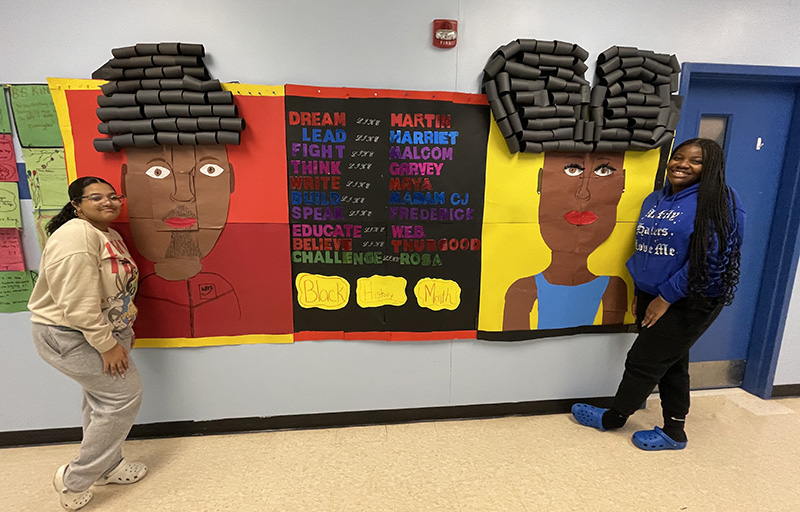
point(660, 355)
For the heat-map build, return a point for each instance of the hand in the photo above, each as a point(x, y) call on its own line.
point(655, 310)
point(115, 361)
point(634, 303)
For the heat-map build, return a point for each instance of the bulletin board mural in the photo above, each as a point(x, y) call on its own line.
point(266, 214)
point(567, 169)
point(385, 209)
point(39, 142)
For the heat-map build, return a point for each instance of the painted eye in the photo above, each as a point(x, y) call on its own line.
point(604, 170)
point(158, 172)
point(212, 170)
point(573, 169)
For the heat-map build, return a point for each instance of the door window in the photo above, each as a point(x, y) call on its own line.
point(714, 128)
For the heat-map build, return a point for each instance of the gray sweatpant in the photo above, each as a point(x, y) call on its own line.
point(109, 406)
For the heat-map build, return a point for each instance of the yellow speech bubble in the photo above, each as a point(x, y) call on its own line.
point(437, 294)
point(324, 292)
point(375, 291)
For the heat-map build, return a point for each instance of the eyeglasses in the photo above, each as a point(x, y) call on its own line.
point(98, 198)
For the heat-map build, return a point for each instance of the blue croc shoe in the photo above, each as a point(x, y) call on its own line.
point(589, 415)
point(655, 440)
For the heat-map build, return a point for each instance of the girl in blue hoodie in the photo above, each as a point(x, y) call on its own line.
point(685, 269)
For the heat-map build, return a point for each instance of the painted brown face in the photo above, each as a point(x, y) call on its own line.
point(178, 198)
point(579, 197)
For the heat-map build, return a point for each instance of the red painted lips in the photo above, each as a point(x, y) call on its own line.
point(180, 222)
point(577, 218)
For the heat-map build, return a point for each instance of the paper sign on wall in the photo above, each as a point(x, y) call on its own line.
point(10, 250)
point(47, 177)
point(5, 124)
point(9, 206)
point(8, 161)
point(15, 290)
point(35, 116)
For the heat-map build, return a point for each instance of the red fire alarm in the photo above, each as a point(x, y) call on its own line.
point(445, 33)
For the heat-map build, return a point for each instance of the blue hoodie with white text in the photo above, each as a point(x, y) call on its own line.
point(660, 263)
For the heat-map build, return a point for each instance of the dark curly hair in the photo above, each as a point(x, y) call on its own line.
point(715, 230)
point(75, 192)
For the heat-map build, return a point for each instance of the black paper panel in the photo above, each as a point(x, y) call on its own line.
point(386, 187)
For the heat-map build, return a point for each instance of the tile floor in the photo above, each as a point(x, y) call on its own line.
point(743, 456)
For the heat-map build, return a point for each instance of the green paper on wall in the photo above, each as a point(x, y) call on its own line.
point(5, 124)
point(15, 290)
point(47, 177)
point(35, 116)
point(9, 205)
point(42, 217)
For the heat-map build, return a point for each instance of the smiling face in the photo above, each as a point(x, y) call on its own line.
point(579, 197)
point(178, 199)
point(685, 167)
point(97, 205)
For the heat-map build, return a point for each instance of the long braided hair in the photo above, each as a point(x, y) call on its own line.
point(715, 229)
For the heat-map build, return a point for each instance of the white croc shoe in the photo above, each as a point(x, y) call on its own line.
point(125, 473)
point(69, 500)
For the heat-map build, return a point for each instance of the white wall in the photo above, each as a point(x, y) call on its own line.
point(358, 43)
point(788, 370)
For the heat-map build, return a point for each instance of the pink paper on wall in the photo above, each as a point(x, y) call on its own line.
point(8, 162)
point(10, 250)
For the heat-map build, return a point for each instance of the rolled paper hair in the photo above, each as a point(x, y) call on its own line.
point(541, 101)
point(159, 94)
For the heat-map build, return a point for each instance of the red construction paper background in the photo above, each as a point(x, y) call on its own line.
point(259, 162)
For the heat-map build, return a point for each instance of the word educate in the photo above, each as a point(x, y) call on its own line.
point(327, 237)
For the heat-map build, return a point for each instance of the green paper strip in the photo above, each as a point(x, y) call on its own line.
point(15, 290)
point(47, 177)
point(35, 116)
point(9, 205)
point(5, 123)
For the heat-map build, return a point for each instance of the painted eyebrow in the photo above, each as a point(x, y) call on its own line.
point(158, 160)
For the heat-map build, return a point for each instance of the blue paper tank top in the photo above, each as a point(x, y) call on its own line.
point(568, 306)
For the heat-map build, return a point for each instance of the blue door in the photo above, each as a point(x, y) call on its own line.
point(753, 118)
